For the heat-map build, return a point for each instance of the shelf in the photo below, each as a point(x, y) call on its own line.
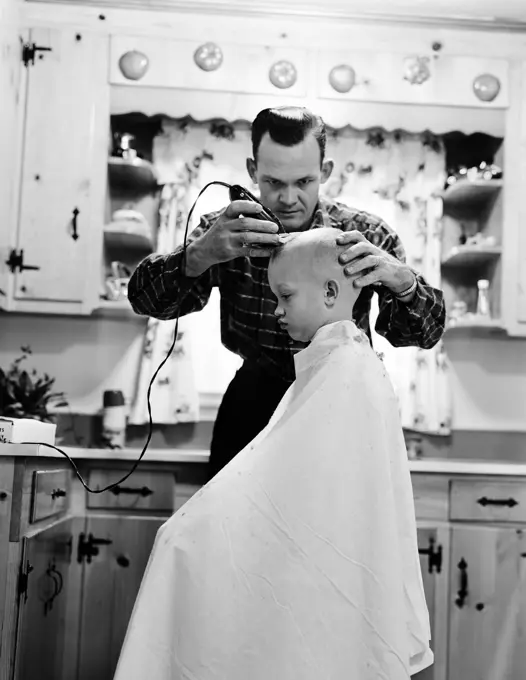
point(470, 196)
point(127, 240)
point(118, 309)
point(134, 174)
point(470, 256)
point(475, 323)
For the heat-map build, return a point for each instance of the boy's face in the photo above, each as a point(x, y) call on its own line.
point(300, 309)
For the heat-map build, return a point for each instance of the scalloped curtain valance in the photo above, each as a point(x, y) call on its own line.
point(202, 105)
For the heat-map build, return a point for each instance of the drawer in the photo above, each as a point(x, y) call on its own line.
point(489, 501)
point(431, 496)
point(49, 494)
point(143, 490)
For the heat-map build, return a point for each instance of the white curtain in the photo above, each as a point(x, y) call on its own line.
point(398, 177)
point(174, 395)
point(395, 175)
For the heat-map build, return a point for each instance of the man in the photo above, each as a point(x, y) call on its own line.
point(230, 249)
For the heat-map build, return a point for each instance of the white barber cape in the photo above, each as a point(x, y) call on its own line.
point(299, 560)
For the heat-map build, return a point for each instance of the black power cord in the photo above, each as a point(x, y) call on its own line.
point(236, 193)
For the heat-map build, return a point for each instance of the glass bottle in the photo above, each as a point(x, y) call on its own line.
point(483, 298)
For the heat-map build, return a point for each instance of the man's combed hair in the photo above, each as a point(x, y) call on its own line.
point(288, 125)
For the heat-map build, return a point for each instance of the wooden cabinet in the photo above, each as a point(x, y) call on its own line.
point(64, 152)
point(54, 255)
point(514, 213)
point(48, 575)
point(10, 82)
point(39, 575)
point(69, 575)
point(433, 546)
point(487, 623)
point(111, 582)
point(114, 547)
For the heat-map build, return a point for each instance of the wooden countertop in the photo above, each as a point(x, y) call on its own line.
point(78, 453)
point(426, 466)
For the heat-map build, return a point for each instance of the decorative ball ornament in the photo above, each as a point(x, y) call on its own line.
point(283, 74)
point(342, 78)
point(133, 65)
point(416, 70)
point(208, 56)
point(486, 87)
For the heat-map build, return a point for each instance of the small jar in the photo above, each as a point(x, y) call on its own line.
point(114, 419)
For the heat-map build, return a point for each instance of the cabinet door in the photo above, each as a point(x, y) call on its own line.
point(48, 608)
point(433, 545)
point(110, 587)
point(10, 110)
point(487, 604)
point(63, 172)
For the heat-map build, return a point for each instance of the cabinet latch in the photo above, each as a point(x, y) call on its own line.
point(434, 556)
point(29, 51)
point(16, 261)
point(88, 547)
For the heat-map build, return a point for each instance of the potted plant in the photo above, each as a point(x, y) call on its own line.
point(25, 394)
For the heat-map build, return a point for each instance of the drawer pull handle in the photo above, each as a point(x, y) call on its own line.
point(58, 493)
point(510, 502)
point(143, 491)
point(463, 592)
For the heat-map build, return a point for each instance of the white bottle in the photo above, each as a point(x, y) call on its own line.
point(483, 298)
point(114, 419)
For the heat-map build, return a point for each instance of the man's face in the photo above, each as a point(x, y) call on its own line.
point(300, 309)
point(289, 179)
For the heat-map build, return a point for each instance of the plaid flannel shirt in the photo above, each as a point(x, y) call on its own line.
point(248, 325)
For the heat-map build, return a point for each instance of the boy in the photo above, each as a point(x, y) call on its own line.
point(299, 560)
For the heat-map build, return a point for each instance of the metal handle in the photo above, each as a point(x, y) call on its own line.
point(54, 572)
point(463, 591)
point(143, 491)
point(99, 541)
point(58, 493)
point(503, 502)
point(58, 583)
point(74, 232)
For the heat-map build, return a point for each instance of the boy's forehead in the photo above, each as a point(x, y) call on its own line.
point(287, 270)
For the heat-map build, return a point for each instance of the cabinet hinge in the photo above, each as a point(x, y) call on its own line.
point(16, 261)
point(88, 547)
point(434, 557)
point(29, 51)
point(23, 578)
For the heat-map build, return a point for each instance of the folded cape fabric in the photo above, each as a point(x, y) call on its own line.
point(299, 560)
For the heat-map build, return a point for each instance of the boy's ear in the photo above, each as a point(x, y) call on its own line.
point(332, 290)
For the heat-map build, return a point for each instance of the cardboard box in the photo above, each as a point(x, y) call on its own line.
point(26, 430)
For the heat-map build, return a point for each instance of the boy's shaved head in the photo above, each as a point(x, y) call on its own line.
point(309, 282)
point(315, 252)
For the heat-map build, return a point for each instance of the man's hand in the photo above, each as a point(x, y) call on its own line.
point(241, 230)
point(375, 265)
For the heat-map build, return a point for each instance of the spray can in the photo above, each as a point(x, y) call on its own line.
point(114, 419)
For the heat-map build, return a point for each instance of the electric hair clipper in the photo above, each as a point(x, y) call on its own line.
point(239, 193)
